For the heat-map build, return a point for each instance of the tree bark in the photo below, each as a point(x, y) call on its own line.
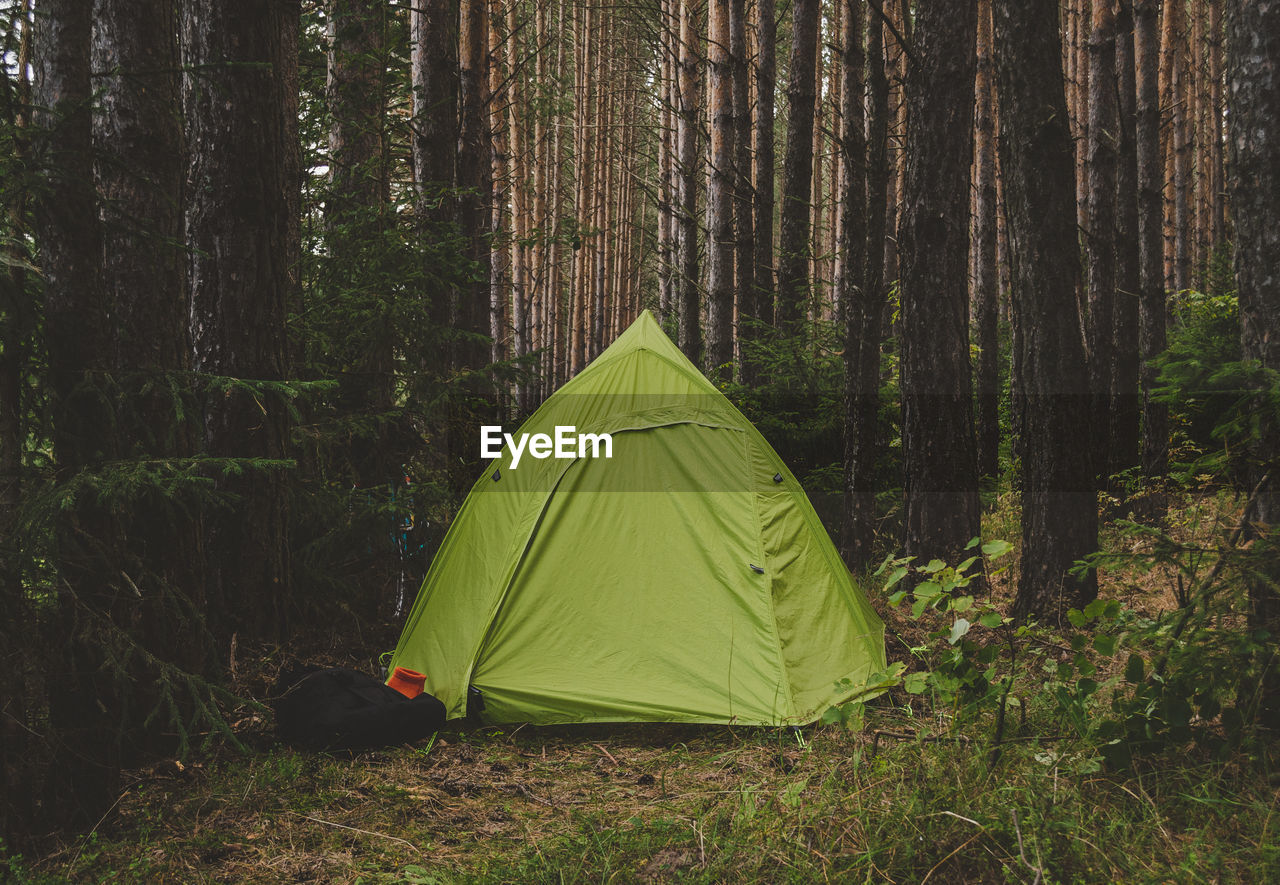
point(862, 443)
point(720, 183)
point(986, 283)
point(1151, 301)
point(433, 34)
point(237, 229)
point(687, 308)
point(1059, 511)
point(852, 298)
point(474, 172)
point(68, 236)
point(138, 145)
point(1101, 232)
point(766, 84)
point(939, 449)
point(797, 170)
point(744, 281)
point(1253, 82)
point(355, 215)
point(1125, 360)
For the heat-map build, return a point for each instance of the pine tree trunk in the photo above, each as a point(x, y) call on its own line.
point(720, 234)
point(744, 282)
point(474, 165)
point(1151, 303)
point(1218, 187)
point(1124, 381)
point(18, 772)
point(855, 302)
point(1182, 122)
point(68, 237)
point(1253, 82)
point(666, 159)
point(797, 170)
point(237, 229)
point(766, 84)
point(433, 29)
point(355, 214)
point(939, 450)
point(687, 308)
point(986, 284)
point(357, 105)
point(1059, 511)
point(1101, 230)
point(138, 147)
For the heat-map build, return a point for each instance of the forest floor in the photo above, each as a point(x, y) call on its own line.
point(908, 798)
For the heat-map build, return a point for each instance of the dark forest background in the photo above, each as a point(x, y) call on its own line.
point(265, 267)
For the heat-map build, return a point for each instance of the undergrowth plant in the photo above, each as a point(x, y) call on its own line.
point(1111, 687)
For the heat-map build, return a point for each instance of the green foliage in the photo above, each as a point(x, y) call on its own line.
point(1217, 401)
point(1115, 686)
point(796, 399)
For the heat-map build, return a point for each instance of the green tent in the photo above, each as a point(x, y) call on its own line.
point(686, 578)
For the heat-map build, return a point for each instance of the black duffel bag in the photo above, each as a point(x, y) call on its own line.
point(340, 709)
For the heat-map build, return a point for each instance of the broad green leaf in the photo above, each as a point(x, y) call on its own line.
point(964, 566)
point(934, 566)
point(1133, 670)
point(962, 603)
point(928, 590)
point(1094, 608)
point(1106, 645)
point(897, 597)
point(1076, 617)
point(915, 683)
point(898, 574)
point(973, 542)
point(991, 619)
point(996, 549)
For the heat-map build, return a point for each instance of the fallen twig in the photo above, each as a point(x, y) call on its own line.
point(329, 823)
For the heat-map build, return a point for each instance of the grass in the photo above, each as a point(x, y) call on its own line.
point(913, 797)
point(663, 803)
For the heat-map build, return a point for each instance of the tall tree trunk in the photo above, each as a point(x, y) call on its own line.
point(1218, 187)
point(1059, 510)
point(355, 214)
point(1253, 82)
point(498, 200)
point(939, 450)
point(744, 281)
point(669, 52)
point(17, 773)
point(357, 105)
point(1151, 301)
point(1181, 96)
point(474, 174)
point(986, 284)
point(138, 146)
point(237, 229)
point(797, 170)
point(1101, 231)
point(67, 231)
point(720, 235)
point(863, 444)
point(766, 37)
point(433, 29)
point(690, 323)
point(1124, 380)
point(853, 299)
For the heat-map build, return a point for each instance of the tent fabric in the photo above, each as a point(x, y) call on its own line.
point(686, 578)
